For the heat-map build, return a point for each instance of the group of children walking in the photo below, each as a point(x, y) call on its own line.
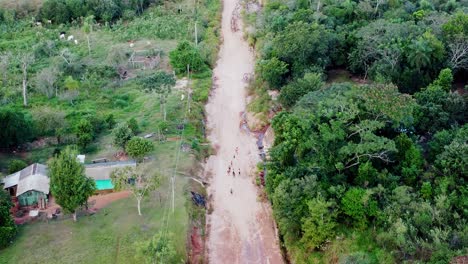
point(231, 166)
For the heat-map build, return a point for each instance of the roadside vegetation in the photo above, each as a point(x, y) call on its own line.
point(118, 73)
point(369, 159)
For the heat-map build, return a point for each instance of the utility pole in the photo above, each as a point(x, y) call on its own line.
point(173, 195)
point(196, 34)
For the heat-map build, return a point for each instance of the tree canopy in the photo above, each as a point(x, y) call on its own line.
point(8, 228)
point(68, 183)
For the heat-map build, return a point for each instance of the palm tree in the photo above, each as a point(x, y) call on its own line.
point(419, 54)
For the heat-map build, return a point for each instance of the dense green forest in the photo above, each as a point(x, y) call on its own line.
point(373, 169)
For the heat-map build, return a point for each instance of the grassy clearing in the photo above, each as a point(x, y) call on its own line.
point(109, 236)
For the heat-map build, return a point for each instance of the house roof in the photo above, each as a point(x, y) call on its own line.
point(33, 177)
point(102, 171)
point(11, 180)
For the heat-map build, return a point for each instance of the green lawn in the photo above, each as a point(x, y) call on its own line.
point(109, 236)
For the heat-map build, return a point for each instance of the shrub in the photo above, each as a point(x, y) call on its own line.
point(16, 127)
point(7, 225)
point(186, 54)
point(16, 165)
point(291, 93)
point(122, 134)
point(110, 121)
point(84, 133)
point(138, 147)
point(133, 125)
point(272, 71)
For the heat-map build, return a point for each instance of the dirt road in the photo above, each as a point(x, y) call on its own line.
point(241, 228)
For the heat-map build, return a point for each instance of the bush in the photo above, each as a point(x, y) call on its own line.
point(291, 93)
point(110, 121)
point(48, 121)
point(122, 134)
point(186, 54)
point(133, 125)
point(272, 71)
point(16, 127)
point(56, 11)
point(16, 165)
point(138, 147)
point(352, 205)
point(84, 133)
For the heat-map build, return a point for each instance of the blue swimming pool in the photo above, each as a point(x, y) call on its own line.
point(104, 185)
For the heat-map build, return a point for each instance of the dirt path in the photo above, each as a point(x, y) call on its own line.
point(241, 229)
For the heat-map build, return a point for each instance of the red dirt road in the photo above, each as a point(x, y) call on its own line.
point(240, 228)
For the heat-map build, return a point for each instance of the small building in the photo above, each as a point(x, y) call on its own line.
point(30, 185)
point(101, 172)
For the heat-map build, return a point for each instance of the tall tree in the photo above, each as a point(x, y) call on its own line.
point(87, 29)
point(46, 82)
point(160, 83)
point(122, 134)
point(4, 64)
point(68, 183)
point(84, 132)
point(26, 59)
point(139, 180)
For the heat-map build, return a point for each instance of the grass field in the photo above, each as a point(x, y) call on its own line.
point(109, 236)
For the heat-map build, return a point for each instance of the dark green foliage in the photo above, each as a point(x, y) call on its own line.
point(16, 127)
point(292, 92)
point(64, 11)
point(110, 121)
point(133, 125)
point(354, 205)
point(454, 159)
point(438, 142)
point(186, 54)
point(84, 133)
point(272, 71)
point(122, 134)
point(301, 45)
point(367, 175)
point(68, 183)
point(16, 165)
point(388, 163)
point(56, 11)
point(8, 228)
point(358, 141)
point(426, 190)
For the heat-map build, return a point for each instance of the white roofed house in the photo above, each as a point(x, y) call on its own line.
point(30, 185)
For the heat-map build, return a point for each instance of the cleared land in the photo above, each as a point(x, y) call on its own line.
point(109, 236)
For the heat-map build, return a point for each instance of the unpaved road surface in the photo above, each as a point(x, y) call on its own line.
point(240, 228)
